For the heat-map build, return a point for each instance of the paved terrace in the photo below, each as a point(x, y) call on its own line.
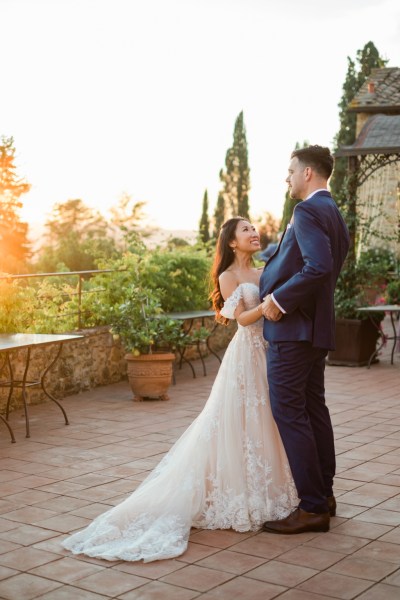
point(62, 477)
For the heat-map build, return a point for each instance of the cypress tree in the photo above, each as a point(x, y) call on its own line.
point(219, 215)
point(288, 209)
point(368, 58)
point(236, 178)
point(204, 226)
point(346, 134)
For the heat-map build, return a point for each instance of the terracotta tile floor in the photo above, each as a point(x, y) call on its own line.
point(62, 477)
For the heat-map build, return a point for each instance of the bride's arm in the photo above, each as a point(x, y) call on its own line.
point(247, 317)
point(228, 284)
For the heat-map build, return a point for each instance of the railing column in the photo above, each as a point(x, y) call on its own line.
point(80, 302)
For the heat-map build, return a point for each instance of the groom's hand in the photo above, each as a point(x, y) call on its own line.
point(270, 309)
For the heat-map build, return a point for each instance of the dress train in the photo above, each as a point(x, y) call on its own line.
point(228, 470)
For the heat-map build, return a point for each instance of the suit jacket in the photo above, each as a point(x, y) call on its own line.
point(266, 254)
point(303, 271)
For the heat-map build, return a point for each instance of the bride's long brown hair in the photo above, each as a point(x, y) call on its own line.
point(224, 257)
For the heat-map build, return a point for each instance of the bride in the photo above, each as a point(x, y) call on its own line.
point(229, 469)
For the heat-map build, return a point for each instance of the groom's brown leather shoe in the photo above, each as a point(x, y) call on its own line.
point(299, 521)
point(331, 505)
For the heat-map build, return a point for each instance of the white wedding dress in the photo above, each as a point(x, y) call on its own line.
point(228, 470)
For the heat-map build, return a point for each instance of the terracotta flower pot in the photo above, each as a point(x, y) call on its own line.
point(150, 375)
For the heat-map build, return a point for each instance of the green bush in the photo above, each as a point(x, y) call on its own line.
point(181, 275)
point(376, 263)
point(17, 304)
point(105, 292)
point(56, 305)
point(38, 306)
point(392, 292)
point(141, 325)
point(176, 278)
point(353, 286)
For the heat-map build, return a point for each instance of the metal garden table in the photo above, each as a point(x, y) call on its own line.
point(392, 309)
point(190, 317)
point(29, 342)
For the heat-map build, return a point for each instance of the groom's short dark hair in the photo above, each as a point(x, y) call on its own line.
point(318, 158)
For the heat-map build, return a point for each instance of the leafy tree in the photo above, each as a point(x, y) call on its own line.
point(78, 237)
point(127, 213)
point(74, 215)
point(236, 177)
point(268, 227)
point(174, 243)
point(204, 227)
point(367, 59)
point(14, 244)
point(128, 216)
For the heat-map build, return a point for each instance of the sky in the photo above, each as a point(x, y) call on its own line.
point(105, 97)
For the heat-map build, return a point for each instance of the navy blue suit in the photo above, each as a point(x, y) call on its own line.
point(302, 275)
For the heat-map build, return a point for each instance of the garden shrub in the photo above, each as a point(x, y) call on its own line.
point(176, 277)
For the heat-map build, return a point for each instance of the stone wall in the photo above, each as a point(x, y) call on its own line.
point(97, 359)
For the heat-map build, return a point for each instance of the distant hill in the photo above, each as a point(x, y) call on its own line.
point(161, 236)
point(157, 238)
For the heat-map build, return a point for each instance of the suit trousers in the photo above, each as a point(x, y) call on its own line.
point(297, 393)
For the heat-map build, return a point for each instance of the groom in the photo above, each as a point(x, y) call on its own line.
point(297, 288)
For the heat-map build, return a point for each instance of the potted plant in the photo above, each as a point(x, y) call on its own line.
point(149, 336)
point(392, 292)
point(356, 332)
point(375, 264)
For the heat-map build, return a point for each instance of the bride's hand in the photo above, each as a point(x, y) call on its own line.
point(270, 310)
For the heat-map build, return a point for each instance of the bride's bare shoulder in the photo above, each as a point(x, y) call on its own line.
point(228, 276)
point(228, 283)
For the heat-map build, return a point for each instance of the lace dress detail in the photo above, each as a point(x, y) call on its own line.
point(228, 470)
point(232, 303)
